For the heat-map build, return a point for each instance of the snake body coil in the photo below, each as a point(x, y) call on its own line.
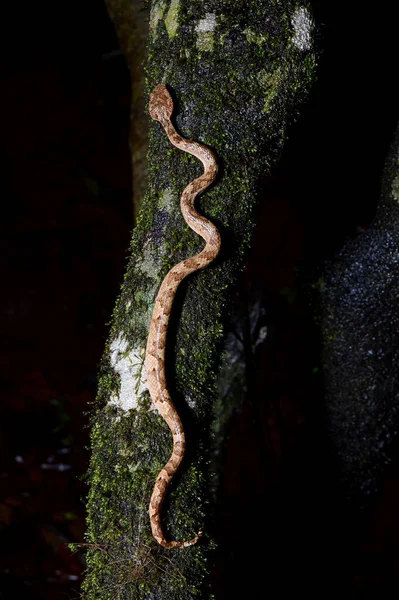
point(161, 108)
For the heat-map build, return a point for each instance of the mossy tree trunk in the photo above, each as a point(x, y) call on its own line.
point(237, 71)
point(360, 330)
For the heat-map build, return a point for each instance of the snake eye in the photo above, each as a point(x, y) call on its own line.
point(161, 103)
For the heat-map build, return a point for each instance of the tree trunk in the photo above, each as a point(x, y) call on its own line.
point(237, 71)
point(360, 327)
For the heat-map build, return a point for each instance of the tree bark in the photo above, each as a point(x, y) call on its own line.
point(360, 331)
point(237, 71)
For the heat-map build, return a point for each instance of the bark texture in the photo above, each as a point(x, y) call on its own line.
point(360, 327)
point(238, 71)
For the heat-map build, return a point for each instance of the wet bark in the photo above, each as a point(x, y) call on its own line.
point(360, 330)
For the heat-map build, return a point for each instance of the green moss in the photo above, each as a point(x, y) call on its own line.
point(156, 15)
point(254, 37)
point(205, 36)
point(220, 101)
point(205, 41)
point(269, 82)
point(172, 18)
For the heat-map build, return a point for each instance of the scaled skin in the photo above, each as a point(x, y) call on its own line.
point(161, 107)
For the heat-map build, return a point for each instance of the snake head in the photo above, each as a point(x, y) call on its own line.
point(161, 104)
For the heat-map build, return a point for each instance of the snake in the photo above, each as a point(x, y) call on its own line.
point(161, 109)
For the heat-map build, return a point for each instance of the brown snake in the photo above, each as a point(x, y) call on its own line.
point(161, 108)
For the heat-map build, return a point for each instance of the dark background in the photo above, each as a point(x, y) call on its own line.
point(66, 222)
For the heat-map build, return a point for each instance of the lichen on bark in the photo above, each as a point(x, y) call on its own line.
point(236, 94)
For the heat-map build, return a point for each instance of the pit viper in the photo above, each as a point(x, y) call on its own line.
point(161, 109)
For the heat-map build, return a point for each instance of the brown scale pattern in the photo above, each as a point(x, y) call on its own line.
point(161, 108)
